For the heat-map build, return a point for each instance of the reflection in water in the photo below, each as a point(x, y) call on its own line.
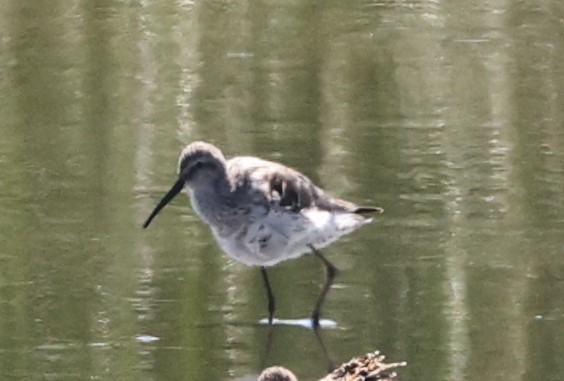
point(447, 114)
point(270, 342)
point(305, 323)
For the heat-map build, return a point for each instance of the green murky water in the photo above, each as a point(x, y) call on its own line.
point(449, 115)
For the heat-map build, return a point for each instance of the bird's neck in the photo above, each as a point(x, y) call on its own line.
point(213, 202)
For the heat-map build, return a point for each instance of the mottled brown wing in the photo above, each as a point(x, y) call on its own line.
point(286, 186)
point(292, 190)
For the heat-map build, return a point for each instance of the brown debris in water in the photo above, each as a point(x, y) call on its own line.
point(370, 367)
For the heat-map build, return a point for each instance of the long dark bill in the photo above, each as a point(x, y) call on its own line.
point(176, 188)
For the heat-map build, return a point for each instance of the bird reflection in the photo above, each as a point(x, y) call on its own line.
point(319, 339)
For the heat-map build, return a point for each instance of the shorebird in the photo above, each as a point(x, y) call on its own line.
point(261, 212)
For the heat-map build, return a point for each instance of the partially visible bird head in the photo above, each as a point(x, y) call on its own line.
point(277, 373)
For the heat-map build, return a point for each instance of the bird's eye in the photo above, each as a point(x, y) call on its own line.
point(198, 164)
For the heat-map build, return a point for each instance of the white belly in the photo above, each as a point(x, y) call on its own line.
point(282, 235)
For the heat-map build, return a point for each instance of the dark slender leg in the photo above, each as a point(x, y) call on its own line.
point(269, 295)
point(331, 274)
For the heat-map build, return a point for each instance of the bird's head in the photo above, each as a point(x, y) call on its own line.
point(200, 165)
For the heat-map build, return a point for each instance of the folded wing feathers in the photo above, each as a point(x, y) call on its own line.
point(296, 191)
point(287, 187)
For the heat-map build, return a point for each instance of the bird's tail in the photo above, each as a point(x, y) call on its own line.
point(368, 209)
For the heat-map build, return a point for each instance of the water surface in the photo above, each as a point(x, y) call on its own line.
point(447, 115)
